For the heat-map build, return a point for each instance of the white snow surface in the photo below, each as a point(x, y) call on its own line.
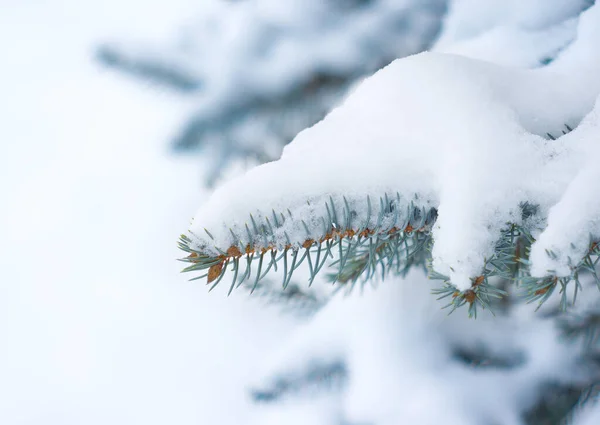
point(574, 221)
point(463, 135)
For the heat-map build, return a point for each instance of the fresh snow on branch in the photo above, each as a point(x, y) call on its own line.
point(469, 138)
point(463, 144)
point(574, 221)
point(260, 71)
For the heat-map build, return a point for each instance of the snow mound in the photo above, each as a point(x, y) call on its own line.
point(463, 136)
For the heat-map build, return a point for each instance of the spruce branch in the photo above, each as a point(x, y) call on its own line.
point(392, 238)
point(331, 376)
point(389, 234)
point(486, 183)
point(161, 68)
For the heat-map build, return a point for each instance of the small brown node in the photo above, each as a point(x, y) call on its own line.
point(214, 272)
point(234, 251)
point(478, 280)
point(266, 249)
point(308, 243)
point(470, 296)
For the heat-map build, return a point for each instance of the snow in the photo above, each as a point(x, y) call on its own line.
point(515, 46)
point(574, 222)
point(469, 19)
point(399, 348)
point(515, 33)
point(260, 71)
point(403, 132)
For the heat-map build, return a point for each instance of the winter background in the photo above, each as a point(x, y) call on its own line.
point(97, 325)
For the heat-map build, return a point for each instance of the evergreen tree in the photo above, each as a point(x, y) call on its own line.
point(459, 172)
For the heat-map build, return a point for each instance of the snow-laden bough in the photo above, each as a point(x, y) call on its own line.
point(435, 151)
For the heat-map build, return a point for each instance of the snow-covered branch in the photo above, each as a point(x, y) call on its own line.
point(431, 138)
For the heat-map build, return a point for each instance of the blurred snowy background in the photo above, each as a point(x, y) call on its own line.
point(97, 326)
